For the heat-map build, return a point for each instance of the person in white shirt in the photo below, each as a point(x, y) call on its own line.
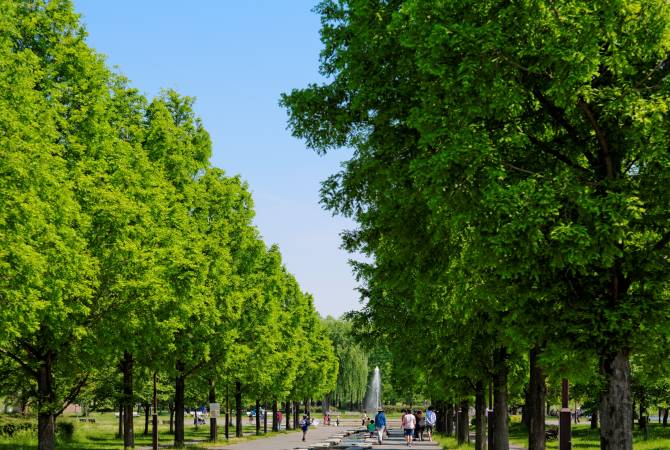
point(408, 424)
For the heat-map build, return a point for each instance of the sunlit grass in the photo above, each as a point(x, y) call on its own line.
point(583, 438)
point(101, 435)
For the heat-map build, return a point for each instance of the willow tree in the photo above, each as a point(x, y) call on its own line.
point(352, 377)
point(542, 126)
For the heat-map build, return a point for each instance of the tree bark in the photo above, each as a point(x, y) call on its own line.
point(501, 435)
point(179, 388)
point(537, 392)
point(296, 414)
point(226, 426)
point(442, 418)
point(119, 434)
point(287, 412)
point(480, 417)
point(616, 421)
point(450, 420)
point(594, 418)
point(213, 429)
point(275, 422)
point(462, 432)
point(258, 417)
point(238, 409)
point(127, 399)
point(665, 417)
point(147, 408)
point(171, 408)
point(46, 396)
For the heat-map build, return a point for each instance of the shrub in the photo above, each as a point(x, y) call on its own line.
point(9, 425)
point(65, 430)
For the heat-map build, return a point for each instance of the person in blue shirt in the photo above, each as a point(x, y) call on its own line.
point(380, 425)
point(431, 420)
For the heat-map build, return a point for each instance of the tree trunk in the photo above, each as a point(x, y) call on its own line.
point(275, 421)
point(594, 418)
point(119, 435)
point(537, 392)
point(450, 420)
point(213, 429)
point(287, 411)
point(127, 399)
point(501, 435)
point(616, 421)
point(307, 407)
point(258, 417)
point(296, 414)
point(226, 425)
point(238, 409)
point(179, 388)
point(171, 408)
point(442, 417)
point(147, 408)
point(46, 396)
point(462, 430)
point(265, 417)
point(665, 417)
point(480, 418)
point(525, 420)
point(644, 418)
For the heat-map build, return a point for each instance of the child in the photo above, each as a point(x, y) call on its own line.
point(371, 428)
point(304, 425)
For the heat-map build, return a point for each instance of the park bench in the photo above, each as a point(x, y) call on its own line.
point(551, 434)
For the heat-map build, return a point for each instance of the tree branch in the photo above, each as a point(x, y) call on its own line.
point(519, 169)
point(557, 114)
point(602, 140)
point(547, 149)
point(74, 392)
point(23, 364)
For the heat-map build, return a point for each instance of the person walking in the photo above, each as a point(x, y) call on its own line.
point(420, 424)
point(409, 424)
point(431, 420)
point(304, 425)
point(380, 423)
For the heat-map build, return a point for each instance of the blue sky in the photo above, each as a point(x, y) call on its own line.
point(236, 57)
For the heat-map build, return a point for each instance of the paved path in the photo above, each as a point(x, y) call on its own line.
point(315, 435)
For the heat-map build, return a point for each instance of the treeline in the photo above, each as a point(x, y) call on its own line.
point(123, 249)
point(510, 184)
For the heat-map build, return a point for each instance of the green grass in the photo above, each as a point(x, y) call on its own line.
point(583, 438)
point(101, 435)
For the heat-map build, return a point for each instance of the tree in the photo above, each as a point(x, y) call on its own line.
point(551, 146)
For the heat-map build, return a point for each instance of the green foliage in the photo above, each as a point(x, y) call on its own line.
point(117, 238)
point(509, 178)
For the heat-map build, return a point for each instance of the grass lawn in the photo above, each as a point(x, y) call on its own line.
point(101, 435)
point(583, 438)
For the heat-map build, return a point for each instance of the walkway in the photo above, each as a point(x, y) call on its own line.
point(317, 435)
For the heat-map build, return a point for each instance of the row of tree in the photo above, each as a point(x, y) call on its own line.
point(510, 184)
point(122, 247)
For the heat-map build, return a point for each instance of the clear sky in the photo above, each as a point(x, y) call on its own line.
point(236, 58)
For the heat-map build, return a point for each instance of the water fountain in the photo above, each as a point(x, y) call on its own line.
point(373, 396)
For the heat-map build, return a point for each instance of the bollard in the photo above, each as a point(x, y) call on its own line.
point(564, 422)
